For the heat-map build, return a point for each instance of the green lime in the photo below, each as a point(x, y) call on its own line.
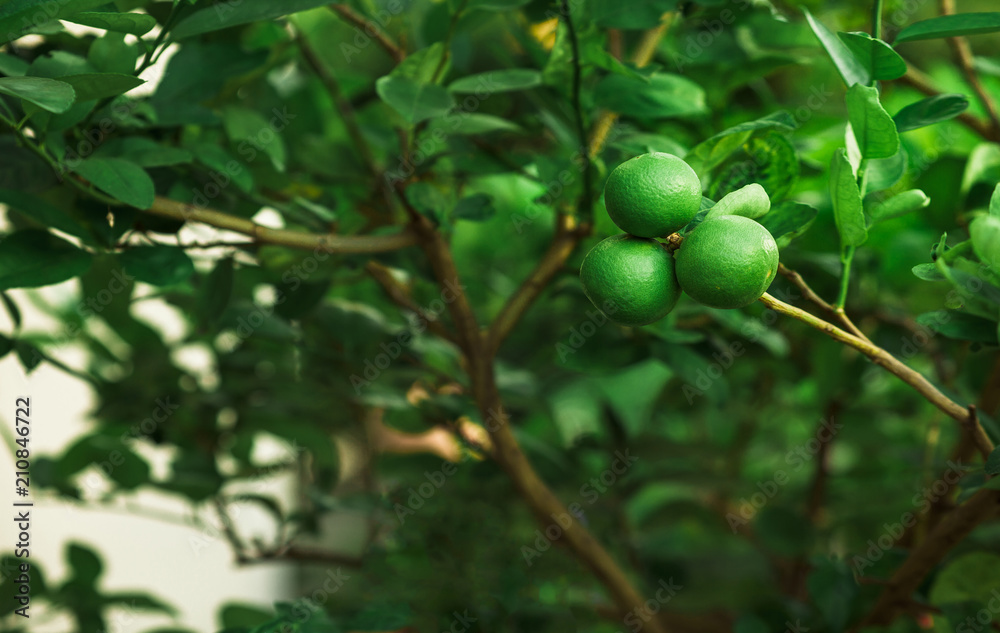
point(630, 279)
point(727, 262)
point(652, 195)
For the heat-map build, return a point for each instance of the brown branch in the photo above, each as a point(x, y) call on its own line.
point(923, 83)
point(810, 295)
point(643, 55)
point(963, 55)
point(507, 452)
point(329, 243)
point(229, 530)
point(400, 295)
point(343, 105)
point(371, 29)
point(306, 555)
point(946, 535)
point(884, 359)
point(567, 238)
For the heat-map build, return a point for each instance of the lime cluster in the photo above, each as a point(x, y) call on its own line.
point(726, 261)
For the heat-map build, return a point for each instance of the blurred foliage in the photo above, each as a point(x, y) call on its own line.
point(722, 411)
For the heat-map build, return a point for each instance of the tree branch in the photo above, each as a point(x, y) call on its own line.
point(810, 295)
point(884, 359)
point(399, 295)
point(329, 243)
point(963, 54)
point(947, 534)
point(370, 28)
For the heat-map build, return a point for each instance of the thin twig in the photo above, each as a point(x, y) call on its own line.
point(586, 206)
point(811, 295)
point(329, 243)
point(399, 295)
point(963, 54)
point(371, 29)
point(229, 530)
point(343, 105)
point(884, 359)
point(306, 555)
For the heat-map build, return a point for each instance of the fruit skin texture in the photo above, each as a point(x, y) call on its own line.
point(727, 262)
point(652, 195)
point(630, 279)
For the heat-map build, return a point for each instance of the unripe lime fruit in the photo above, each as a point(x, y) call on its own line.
point(630, 279)
point(727, 262)
point(652, 195)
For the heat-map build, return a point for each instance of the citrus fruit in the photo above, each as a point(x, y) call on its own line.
point(652, 195)
point(727, 262)
point(630, 279)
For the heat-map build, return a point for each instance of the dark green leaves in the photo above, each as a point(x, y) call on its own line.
point(899, 204)
point(851, 70)
point(25, 16)
point(32, 258)
point(950, 26)
point(134, 23)
point(48, 94)
point(101, 85)
point(120, 179)
point(848, 211)
point(635, 14)
point(413, 100)
point(227, 14)
point(788, 218)
point(930, 111)
point(160, 265)
point(985, 234)
point(498, 81)
point(477, 207)
point(665, 95)
point(875, 55)
point(214, 297)
point(872, 126)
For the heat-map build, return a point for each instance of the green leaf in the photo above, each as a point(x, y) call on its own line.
point(222, 162)
point(899, 204)
point(32, 258)
point(473, 123)
point(851, 70)
point(497, 5)
point(20, 17)
point(665, 95)
point(635, 14)
point(960, 326)
point(414, 101)
point(750, 201)
point(928, 272)
point(576, 411)
point(831, 584)
point(985, 234)
point(134, 23)
point(245, 126)
point(883, 173)
point(788, 218)
point(159, 265)
point(476, 208)
point(225, 15)
point(145, 152)
point(930, 111)
point(498, 81)
point(971, 577)
point(995, 202)
point(43, 212)
point(873, 127)
point(112, 54)
point(881, 62)
point(13, 66)
point(718, 147)
point(93, 86)
point(633, 391)
point(120, 179)
point(236, 616)
point(213, 298)
point(48, 94)
point(983, 166)
point(84, 562)
point(992, 466)
point(421, 65)
point(950, 26)
point(848, 211)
